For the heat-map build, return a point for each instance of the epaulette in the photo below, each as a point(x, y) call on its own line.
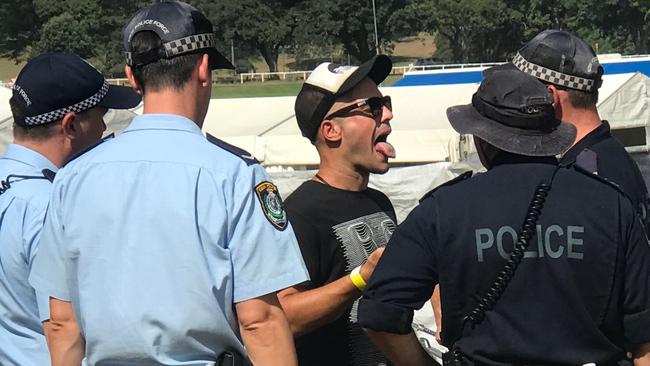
point(78, 154)
point(599, 178)
point(460, 178)
point(248, 158)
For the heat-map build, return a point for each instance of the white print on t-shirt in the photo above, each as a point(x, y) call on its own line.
point(359, 238)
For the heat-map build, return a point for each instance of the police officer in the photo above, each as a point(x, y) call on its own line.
point(167, 246)
point(574, 289)
point(571, 70)
point(58, 103)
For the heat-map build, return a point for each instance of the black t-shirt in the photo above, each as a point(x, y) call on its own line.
point(608, 158)
point(337, 230)
point(580, 294)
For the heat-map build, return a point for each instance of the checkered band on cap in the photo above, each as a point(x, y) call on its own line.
point(183, 45)
point(552, 76)
point(189, 44)
point(52, 116)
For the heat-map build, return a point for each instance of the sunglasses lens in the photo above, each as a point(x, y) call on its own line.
point(377, 104)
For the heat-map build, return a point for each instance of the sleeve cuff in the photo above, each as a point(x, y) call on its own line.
point(637, 327)
point(266, 287)
point(384, 317)
point(45, 288)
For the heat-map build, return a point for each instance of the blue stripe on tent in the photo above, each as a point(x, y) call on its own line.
point(469, 77)
point(627, 67)
point(440, 79)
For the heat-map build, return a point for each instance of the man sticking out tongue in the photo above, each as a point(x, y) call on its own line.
point(341, 224)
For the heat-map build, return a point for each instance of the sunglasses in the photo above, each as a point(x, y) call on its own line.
point(376, 105)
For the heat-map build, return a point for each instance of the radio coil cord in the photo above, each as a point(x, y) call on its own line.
point(6, 184)
point(504, 277)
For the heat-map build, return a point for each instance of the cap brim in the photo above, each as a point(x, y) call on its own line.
point(465, 119)
point(120, 97)
point(377, 69)
point(219, 61)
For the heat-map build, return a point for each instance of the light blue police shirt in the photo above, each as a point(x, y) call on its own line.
point(22, 210)
point(153, 236)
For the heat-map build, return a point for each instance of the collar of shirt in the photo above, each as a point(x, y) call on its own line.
point(163, 122)
point(597, 135)
point(505, 157)
point(29, 157)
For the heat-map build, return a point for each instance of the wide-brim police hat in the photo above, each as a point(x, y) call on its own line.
point(181, 28)
point(513, 111)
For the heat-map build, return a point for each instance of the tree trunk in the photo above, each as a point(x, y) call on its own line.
point(270, 55)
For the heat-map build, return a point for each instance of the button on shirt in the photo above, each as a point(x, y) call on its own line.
point(153, 236)
point(22, 210)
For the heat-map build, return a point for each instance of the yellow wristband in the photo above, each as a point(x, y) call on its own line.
point(357, 279)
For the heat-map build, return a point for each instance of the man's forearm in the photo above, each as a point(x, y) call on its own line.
point(63, 335)
point(265, 332)
point(307, 310)
point(401, 349)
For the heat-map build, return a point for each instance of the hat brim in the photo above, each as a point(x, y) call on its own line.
point(377, 69)
point(219, 61)
point(120, 97)
point(465, 119)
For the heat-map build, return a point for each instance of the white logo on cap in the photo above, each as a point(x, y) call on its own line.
point(343, 69)
point(22, 93)
point(594, 61)
point(142, 23)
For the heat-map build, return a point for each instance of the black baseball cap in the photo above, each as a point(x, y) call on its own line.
point(561, 58)
point(53, 84)
point(513, 111)
point(329, 81)
point(181, 28)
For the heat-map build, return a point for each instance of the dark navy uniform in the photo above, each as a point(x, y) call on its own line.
point(600, 153)
point(580, 295)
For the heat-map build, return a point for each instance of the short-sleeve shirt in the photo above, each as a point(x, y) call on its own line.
point(608, 158)
point(337, 230)
point(22, 210)
point(582, 288)
point(154, 236)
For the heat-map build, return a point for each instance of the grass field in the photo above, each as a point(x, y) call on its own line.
point(273, 88)
point(8, 69)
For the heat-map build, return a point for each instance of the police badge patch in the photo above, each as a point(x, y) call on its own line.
point(272, 205)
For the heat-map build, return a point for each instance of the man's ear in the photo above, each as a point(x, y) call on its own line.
point(134, 83)
point(204, 72)
point(330, 130)
point(555, 94)
point(70, 125)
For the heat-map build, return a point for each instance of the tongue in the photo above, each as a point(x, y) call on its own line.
point(385, 149)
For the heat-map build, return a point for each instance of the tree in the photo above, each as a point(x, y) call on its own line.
point(351, 24)
point(265, 25)
point(19, 28)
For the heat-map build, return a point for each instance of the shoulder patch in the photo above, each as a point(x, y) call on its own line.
point(78, 154)
point(599, 178)
point(460, 178)
point(271, 203)
point(248, 158)
point(588, 160)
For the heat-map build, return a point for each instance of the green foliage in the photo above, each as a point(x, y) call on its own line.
point(312, 30)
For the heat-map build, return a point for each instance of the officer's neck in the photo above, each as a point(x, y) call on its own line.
point(584, 119)
point(55, 149)
point(184, 102)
